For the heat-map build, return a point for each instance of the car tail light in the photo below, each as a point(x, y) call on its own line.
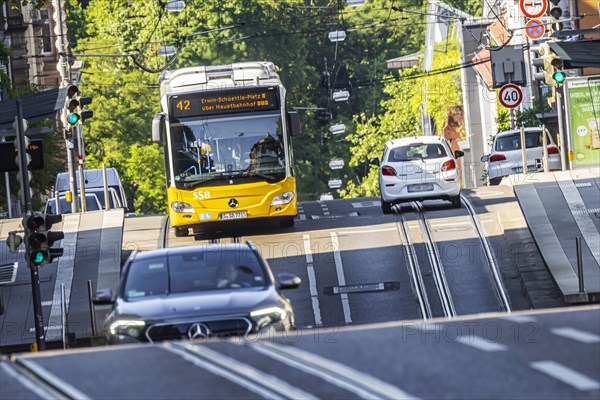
point(553, 150)
point(497, 157)
point(386, 170)
point(449, 165)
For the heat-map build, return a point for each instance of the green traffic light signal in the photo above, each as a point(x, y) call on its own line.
point(73, 118)
point(38, 257)
point(559, 76)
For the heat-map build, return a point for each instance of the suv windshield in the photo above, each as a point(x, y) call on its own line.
point(200, 271)
point(217, 148)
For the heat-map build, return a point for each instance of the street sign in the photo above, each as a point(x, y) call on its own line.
point(335, 183)
point(8, 153)
point(533, 8)
point(535, 29)
point(510, 95)
point(336, 164)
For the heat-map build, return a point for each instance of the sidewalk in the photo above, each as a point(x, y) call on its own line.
point(560, 206)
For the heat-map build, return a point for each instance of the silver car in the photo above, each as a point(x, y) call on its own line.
point(507, 159)
point(418, 168)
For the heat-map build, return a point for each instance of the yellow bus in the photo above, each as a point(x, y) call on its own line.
point(226, 133)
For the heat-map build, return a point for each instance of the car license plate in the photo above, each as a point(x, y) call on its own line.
point(423, 187)
point(234, 215)
point(517, 170)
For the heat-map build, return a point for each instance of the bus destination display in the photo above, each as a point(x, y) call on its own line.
point(224, 102)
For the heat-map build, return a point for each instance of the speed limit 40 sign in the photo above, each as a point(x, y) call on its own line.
point(510, 95)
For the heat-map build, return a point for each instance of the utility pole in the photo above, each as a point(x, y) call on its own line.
point(65, 75)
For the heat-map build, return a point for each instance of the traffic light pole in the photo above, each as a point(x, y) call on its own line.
point(26, 192)
point(71, 168)
point(40, 335)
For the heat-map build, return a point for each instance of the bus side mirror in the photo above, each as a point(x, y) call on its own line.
point(294, 123)
point(158, 128)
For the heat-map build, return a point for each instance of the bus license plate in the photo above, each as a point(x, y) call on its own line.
point(421, 187)
point(234, 215)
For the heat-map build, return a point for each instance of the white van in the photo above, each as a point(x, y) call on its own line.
point(94, 184)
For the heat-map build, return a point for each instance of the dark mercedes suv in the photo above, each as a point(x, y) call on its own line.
point(197, 292)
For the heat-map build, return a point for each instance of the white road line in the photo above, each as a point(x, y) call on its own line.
point(276, 384)
point(29, 384)
point(521, 319)
point(47, 303)
point(360, 383)
point(576, 334)
point(301, 215)
point(325, 209)
point(337, 256)
point(566, 375)
point(312, 281)
point(362, 232)
point(481, 344)
point(583, 220)
point(224, 373)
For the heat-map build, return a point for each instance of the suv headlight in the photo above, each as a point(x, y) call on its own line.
point(181, 207)
point(282, 198)
point(127, 327)
point(265, 316)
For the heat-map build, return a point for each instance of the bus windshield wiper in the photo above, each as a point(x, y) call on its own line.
point(220, 177)
point(267, 177)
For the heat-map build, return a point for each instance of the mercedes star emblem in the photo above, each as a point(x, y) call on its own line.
point(198, 330)
point(233, 203)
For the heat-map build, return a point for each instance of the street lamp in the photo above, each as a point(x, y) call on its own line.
point(356, 3)
point(174, 6)
point(341, 95)
point(166, 51)
point(337, 36)
point(336, 129)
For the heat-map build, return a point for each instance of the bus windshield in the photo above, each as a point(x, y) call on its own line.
point(208, 150)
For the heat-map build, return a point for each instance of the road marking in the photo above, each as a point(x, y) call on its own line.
point(576, 334)
point(47, 303)
point(222, 372)
point(480, 343)
point(301, 215)
point(583, 220)
point(586, 211)
point(247, 371)
point(337, 257)
point(312, 281)
point(565, 375)
point(28, 383)
point(366, 204)
point(519, 318)
point(360, 383)
point(368, 231)
point(324, 208)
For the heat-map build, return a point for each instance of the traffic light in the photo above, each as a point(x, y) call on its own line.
point(74, 113)
point(555, 12)
point(40, 239)
point(23, 175)
point(553, 66)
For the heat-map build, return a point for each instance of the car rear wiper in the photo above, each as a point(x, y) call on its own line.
point(410, 159)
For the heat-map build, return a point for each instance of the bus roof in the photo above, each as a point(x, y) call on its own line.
point(255, 73)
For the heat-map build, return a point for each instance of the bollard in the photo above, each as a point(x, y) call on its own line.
point(92, 313)
point(579, 264)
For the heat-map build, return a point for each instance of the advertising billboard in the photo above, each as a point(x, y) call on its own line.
point(582, 106)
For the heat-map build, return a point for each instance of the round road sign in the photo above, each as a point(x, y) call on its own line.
point(510, 95)
point(535, 29)
point(533, 8)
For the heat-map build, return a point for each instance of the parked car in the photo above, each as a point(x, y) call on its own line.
point(507, 158)
point(197, 292)
point(94, 183)
point(418, 168)
point(91, 201)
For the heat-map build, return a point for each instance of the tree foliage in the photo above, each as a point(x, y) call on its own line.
point(291, 33)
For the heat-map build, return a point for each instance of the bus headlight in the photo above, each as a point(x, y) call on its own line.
point(282, 198)
point(181, 207)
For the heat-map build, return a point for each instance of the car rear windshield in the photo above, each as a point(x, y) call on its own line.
point(200, 271)
point(513, 141)
point(417, 151)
